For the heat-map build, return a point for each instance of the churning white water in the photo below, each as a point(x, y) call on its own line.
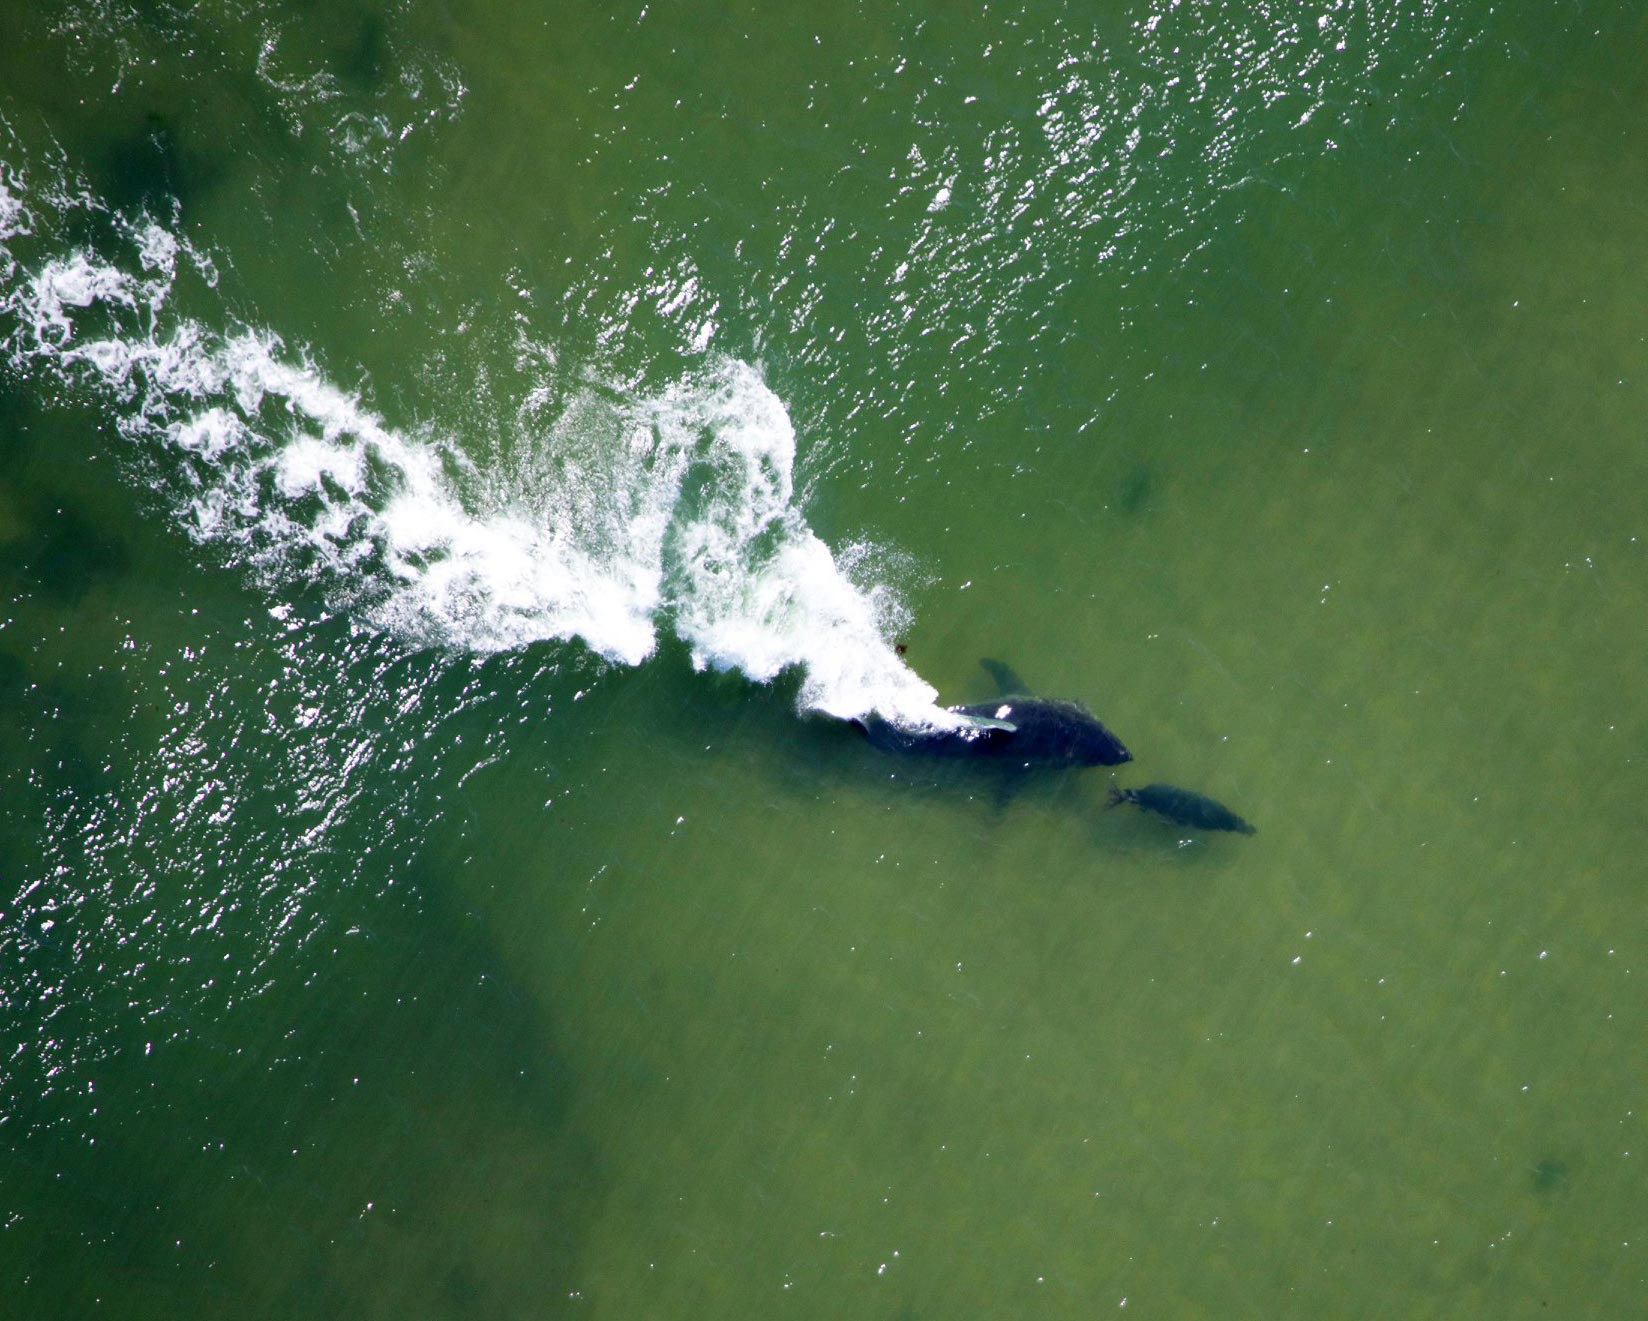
point(675, 511)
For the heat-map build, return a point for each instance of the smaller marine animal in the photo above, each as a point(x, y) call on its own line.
point(1182, 807)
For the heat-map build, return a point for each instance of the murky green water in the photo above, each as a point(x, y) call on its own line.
point(1271, 381)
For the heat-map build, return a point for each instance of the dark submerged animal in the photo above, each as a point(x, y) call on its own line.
point(1029, 731)
point(1182, 807)
point(1013, 731)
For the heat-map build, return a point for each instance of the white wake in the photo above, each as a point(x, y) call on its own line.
point(630, 515)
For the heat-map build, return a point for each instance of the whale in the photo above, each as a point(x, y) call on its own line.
point(1182, 807)
point(1015, 730)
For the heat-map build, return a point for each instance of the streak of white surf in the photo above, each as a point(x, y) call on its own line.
point(678, 509)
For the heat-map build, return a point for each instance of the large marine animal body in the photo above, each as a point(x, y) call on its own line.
point(1013, 731)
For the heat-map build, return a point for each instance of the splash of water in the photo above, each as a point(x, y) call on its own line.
point(677, 510)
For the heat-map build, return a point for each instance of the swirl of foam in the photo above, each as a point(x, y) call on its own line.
point(678, 508)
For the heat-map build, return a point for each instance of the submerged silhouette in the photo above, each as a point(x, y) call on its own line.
point(1182, 808)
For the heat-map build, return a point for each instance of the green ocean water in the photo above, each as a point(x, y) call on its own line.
point(1271, 380)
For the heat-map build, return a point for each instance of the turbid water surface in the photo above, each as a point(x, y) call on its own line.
point(460, 462)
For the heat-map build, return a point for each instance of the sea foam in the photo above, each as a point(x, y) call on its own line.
point(627, 515)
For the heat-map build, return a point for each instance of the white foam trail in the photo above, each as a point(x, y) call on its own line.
point(680, 508)
point(754, 589)
point(13, 218)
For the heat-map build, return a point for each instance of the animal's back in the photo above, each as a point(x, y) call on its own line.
point(1184, 807)
point(1049, 729)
